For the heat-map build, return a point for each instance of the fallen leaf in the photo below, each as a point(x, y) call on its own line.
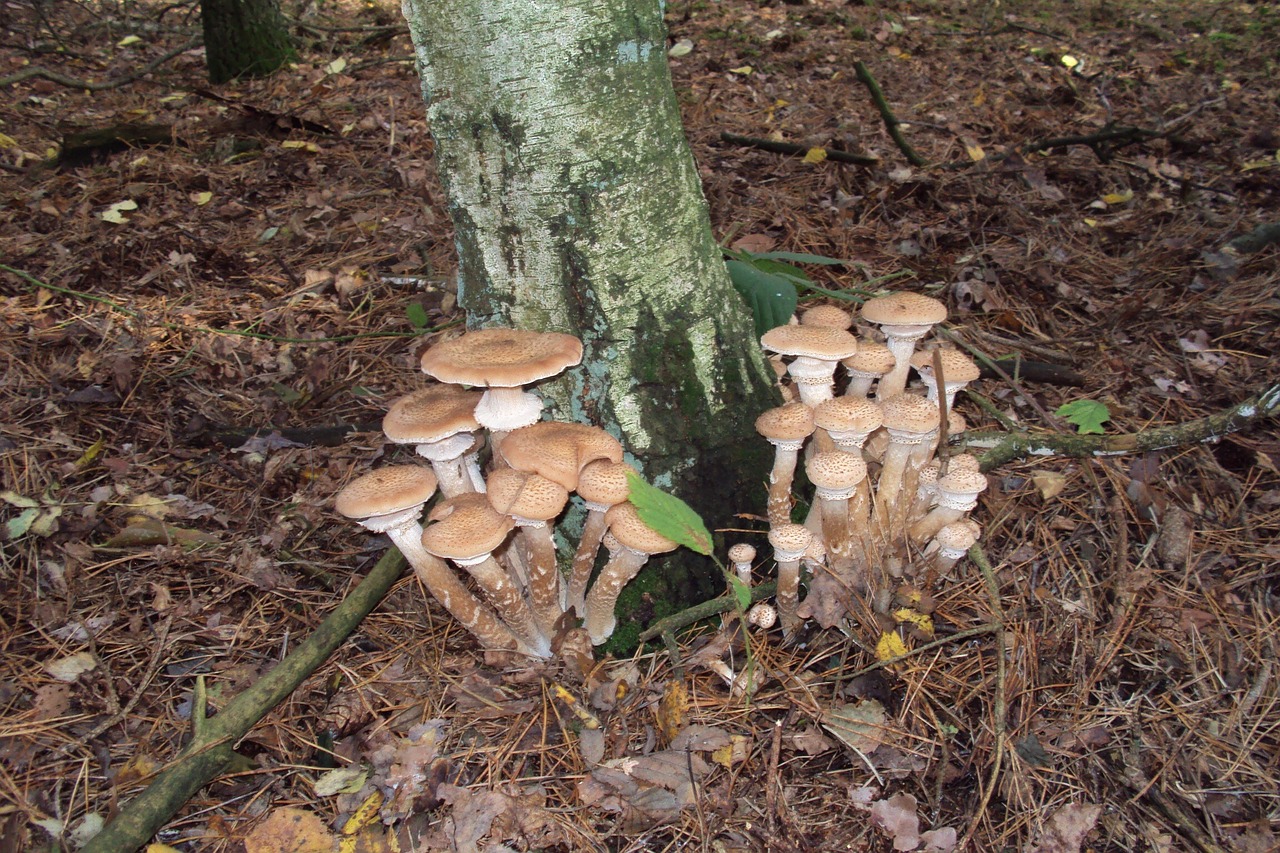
point(859, 725)
point(897, 817)
point(71, 667)
point(290, 830)
point(672, 714)
point(1049, 483)
point(1067, 828)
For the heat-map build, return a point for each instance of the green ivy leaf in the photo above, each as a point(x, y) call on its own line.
point(668, 515)
point(741, 592)
point(1087, 416)
point(771, 297)
point(417, 315)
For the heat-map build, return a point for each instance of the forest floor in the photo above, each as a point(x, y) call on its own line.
point(280, 255)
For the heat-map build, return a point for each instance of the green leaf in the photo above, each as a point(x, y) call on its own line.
point(668, 515)
point(20, 501)
point(417, 315)
point(795, 275)
point(772, 298)
point(16, 527)
point(741, 592)
point(801, 258)
point(1087, 416)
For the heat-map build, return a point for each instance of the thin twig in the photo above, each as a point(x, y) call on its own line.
point(891, 122)
point(89, 85)
point(999, 708)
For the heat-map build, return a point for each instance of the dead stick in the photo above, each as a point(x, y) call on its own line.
point(777, 147)
point(213, 747)
point(891, 122)
point(89, 85)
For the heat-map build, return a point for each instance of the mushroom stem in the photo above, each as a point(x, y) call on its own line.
point(508, 599)
point(624, 564)
point(584, 559)
point(446, 458)
point(544, 572)
point(781, 477)
point(502, 410)
point(789, 541)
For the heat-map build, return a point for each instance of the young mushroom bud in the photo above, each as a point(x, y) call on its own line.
point(904, 318)
point(958, 370)
point(742, 555)
point(636, 543)
point(763, 616)
point(950, 545)
point(957, 494)
point(389, 500)
point(602, 485)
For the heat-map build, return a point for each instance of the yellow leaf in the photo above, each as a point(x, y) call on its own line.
point(1118, 198)
point(975, 152)
point(367, 815)
point(91, 454)
point(115, 213)
point(7, 141)
point(980, 97)
point(161, 848)
point(1069, 60)
point(1049, 483)
point(128, 40)
point(890, 646)
point(673, 710)
point(1251, 165)
point(744, 70)
point(293, 829)
point(815, 155)
point(300, 144)
point(1092, 223)
point(202, 199)
point(336, 67)
point(923, 623)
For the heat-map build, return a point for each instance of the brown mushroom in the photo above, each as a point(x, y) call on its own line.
point(601, 485)
point(908, 420)
point(790, 542)
point(817, 350)
point(533, 501)
point(869, 363)
point(957, 494)
point(958, 370)
point(558, 451)
point(786, 428)
point(440, 420)
point(636, 542)
point(904, 318)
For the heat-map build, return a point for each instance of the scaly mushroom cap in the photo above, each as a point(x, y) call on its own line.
point(871, 360)
point(526, 495)
point(792, 422)
point(386, 490)
point(956, 536)
point(961, 487)
point(790, 541)
point(820, 342)
point(604, 483)
point(907, 415)
point(848, 414)
point(558, 451)
point(625, 525)
point(956, 366)
point(830, 316)
point(465, 527)
point(432, 414)
point(501, 358)
point(763, 616)
point(904, 309)
point(742, 553)
point(964, 462)
point(836, 471)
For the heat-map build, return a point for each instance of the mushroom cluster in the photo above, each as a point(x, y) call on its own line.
point(887, 515)
point(487, 551)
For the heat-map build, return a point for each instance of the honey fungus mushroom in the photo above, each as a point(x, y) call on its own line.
point(502, 361)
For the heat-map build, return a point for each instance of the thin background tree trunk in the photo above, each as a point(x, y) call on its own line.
point(244, 38)
point(578, 208)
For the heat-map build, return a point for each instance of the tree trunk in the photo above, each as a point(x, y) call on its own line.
point(577, 208)
point(244, 38)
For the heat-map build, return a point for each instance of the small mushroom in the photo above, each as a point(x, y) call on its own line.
point(957, 494)
point(742, 555)
point(558, 451)
point(835, 477)
point(958, 370)
point(602, 485)
point(908, 420)
point(389, 500)
point(817, 350)
point(636, 542)
point(533, 501)
point(789, 541)
point(871, 362)
point(786, 428)
point(440, 420)
point(904, 318)
point(763, 616)
point(950, 545)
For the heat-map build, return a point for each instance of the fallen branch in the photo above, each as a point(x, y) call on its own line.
point(891, 122)
point(90, 85)
point(668, 625)
point(1103, 143)
point(798, 150)
point(212, 749)
point(1005, 447)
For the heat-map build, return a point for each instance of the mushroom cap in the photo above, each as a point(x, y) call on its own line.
point(820, 342)
point(763, 616)
point(831, 316)
point(386, 490)
point(836, 470)
point(742, 553)
point(962, 482)
point(431, 414)
point(910, 413)
point(791, 539)
point(848, 414)
point(956, 423)
point(558, 451)
point(791, 422)
point(604, 482)
point(525, 495)
point(871, 358)
point(465, 527)
point(501, 358)
point(625, 525)
point(956, 536)
point(904, 309)
point(956, 366)
point(964, 462)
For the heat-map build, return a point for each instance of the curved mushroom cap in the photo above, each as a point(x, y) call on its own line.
point(386, 490)
point(603, 482)
point(792, 422)
point(742, 553)
point(904, 309)
point(910, 414)
point(763, 616)
point(790, 541)
point(962, 485)
point(625, 525)
point(432, 414)
point(820, 342)
point(526, 495)
point(956, 366)
point(964, 462)
point(956, 536)
point(871, 359)
point(501, 358)
point(848, 414)
point(836, 470)
point(558, 451)
point(465, 527)
point(956, 423)
point(830, 316)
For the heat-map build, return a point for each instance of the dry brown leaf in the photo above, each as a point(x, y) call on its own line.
point(897, 817)
point(290, 830)
point(860, 725)
point(672, 714)
point(1067, 828)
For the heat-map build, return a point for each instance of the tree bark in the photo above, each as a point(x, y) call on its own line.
point(577, 208)
point(244, 38)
